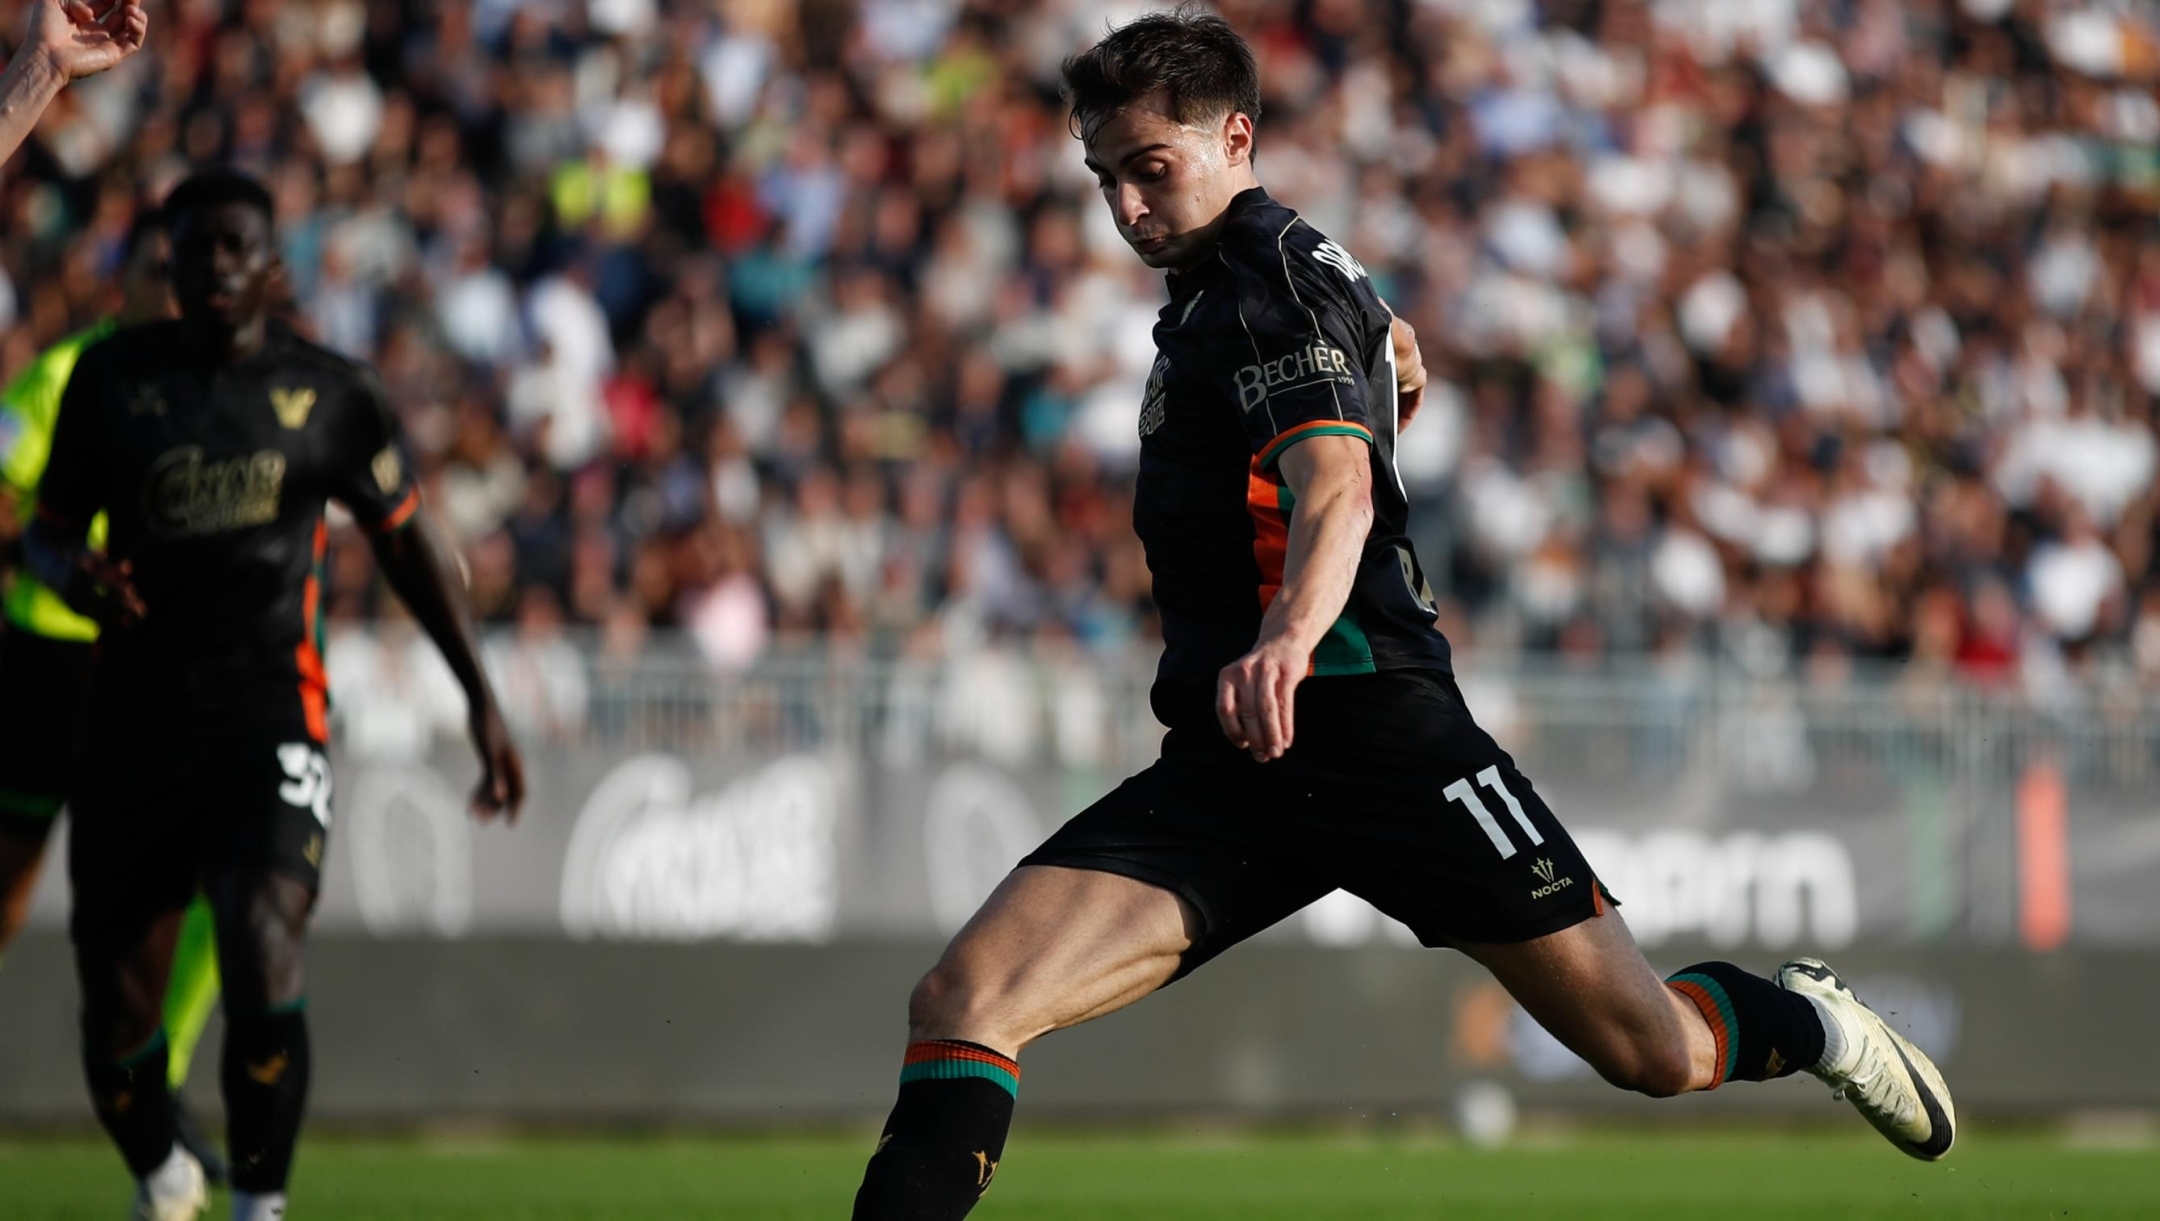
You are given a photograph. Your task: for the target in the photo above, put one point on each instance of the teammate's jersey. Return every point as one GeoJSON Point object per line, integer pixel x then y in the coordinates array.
{"type": "Point", "coordinates": [1277, 338]}
{"type": "Point", "coordinates": [28, 408]}
{"type": "Point", "coordinates": [214, 479]}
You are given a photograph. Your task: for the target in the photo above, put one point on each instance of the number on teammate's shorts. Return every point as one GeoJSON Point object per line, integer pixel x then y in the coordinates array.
{"type": "Point", "coordinates": [1490, 778]}
{"type": "Point", "coordinates": [309, 787]}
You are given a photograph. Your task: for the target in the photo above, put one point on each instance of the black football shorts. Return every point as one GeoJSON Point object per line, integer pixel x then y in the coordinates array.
{"type": "Point", "coordinates": [1389, 791]}
{"type": "Point", "coordinates": [154, 819]}
{"type": "Point", "coordinates": [41, 696]}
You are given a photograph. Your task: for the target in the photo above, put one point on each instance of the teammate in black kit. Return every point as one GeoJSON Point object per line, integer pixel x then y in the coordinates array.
{"type": "Point", "coordinates": [212, 443]}
{"type": "Point", "coordinates": [1316, 737]}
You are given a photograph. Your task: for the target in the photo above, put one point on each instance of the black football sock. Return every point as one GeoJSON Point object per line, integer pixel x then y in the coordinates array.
{"type": "Point", "coordinates": [265, 1075]}
{"type": "Point", "coordinates": [129, 1094]}
{"type": "Point", "coordinates": [1762, 1031]}
{"type": "Point", "coordinates": [946, 1134]}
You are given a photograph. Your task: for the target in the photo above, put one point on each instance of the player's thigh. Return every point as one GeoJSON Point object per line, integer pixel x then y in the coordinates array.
{"type": "Point", "coordinates": [268, 793]}
{"type": "Point", "coordinates": [1052, 947]}
{"type": "Point", "coordinates": [1135, 891]}
{"type": "Point", "coordinates": [134, 842]}
{"type": "Point", "coordinates": [131, 872]}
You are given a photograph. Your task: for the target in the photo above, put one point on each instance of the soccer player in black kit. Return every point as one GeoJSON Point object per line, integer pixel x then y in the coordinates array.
{"type": "Point", "coordinates": [212, 443]}
{"type": "Point", "coordinates": [1316, 737]}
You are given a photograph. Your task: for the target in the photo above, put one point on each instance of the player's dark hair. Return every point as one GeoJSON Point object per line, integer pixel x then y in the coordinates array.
{"type": "Point", "coordinates": [209, 189]}
{"type": "Point", "coordinates": [1202, 67]}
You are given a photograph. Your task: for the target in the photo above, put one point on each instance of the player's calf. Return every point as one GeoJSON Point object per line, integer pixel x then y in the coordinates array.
{"type": "Point", "coordinates": [1051, 948]}
{"type": "Point", "coordinates": [265, 1078]}
{"type": "Point", "coordinates": [261, 922]}
{"type": "Point", "coordinates": [128, 1090]}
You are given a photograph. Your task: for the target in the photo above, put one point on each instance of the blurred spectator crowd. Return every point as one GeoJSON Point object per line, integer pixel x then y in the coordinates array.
{"type": "Point", "coordinates": [1795, 333]}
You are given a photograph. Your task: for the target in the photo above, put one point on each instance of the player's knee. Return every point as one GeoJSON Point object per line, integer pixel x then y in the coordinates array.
{"type": "Point", "coordinates": [116, 1023]}
{"type": "Point", "coordinates": [938, 999]}
{"type": "Point", "coordinates": [262, 939]}
{"type": "Point", "coordinates": [950, 1002]}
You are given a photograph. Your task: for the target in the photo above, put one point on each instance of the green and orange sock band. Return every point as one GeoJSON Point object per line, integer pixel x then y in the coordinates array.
{"type": "Point", "coordinates": [955, 1059]}
{"type": "Point", "coordinates": [1761, 1030]}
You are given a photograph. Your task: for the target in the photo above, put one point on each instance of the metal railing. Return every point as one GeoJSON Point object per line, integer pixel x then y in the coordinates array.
{"type": "Point", "coordinates": [1617, 721]}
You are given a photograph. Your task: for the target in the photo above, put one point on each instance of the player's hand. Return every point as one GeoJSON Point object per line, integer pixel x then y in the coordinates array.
{"type": "Point", "coordinates": [105, 590]}
{"type": "Point", "coordinates": [1253, 698]}
{"type": "Point", "coordinates": [502, 773]}
{"type": "Point", "coordinates": [82, 38]}
{"type": "Point", "coordinates": [1409, 373]}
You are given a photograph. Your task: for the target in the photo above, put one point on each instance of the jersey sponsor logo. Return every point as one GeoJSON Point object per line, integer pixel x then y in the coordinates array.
{"type": "Point", "coordinates": [1547, 874]}
{"type": "Point", "coordinates": [1311, 366]}
{"type": "Point", "coordinates": [292, 406]}
{"type": "Point", "coordinates": [1339, 259]}
{"type": "Point", "coordinates": [1153, 406]}
{"type": "Point", "coordinates": [185, 495]}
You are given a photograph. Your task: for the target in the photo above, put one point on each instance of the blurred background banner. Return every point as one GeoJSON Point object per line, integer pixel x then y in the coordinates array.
{"type": "Point", "coordinates": [827, 798]}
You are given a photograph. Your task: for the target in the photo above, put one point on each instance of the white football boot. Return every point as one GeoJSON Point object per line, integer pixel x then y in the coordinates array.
{"type": "Point", "coordinates": [1889, 1081]}
{"type": "Point", "coordinates": [175, 1191]}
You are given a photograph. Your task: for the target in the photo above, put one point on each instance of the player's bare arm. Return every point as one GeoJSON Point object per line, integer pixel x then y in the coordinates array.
{"type": "Point", "coordinates": [1332, 480]}
{"type": "Point", "coordinates": [63, 40]}
{"type": "Point", "coordinates": [1409, 372]}
{"type": "Point", "coordinates": [420, 567]}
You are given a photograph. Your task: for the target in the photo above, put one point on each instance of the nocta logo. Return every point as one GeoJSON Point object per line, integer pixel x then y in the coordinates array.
{"type": "Point", "coordinates": [1545, 873]}
{"type": "Point", "coordinates": [1340, 259]}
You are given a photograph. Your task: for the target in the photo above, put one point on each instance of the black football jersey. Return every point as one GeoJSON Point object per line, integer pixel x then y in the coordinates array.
{"type": "Point", "coordinates": [214, 479]}
{"type": "Point", "coordinates": [1278, 337]}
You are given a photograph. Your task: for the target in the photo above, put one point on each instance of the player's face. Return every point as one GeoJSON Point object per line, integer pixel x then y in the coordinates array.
{"type": "Point", "coordinates": [1168, 183]}
{"type": "Point", "coordinates": [146, 281]}
{"type": "Point", "coordinates": [222, 264]}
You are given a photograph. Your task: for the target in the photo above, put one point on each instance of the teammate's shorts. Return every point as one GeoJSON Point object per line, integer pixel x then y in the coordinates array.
{"type": "Point", "coordinates": [155, 818]}
{"type": "Point", "coordinates": [41, 692]}
{"type": "Point", "coordinates": [1389, 791]}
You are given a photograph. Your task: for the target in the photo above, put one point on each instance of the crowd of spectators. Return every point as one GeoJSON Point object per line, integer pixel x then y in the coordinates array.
{"type": "Point", "coordinates": [1795, 332]}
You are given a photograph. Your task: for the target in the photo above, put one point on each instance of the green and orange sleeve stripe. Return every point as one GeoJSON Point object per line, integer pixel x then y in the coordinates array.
{"type": "Point", "coordinates": [398, 516]}
{"type": "Point", "coordinates": [1315, 428]}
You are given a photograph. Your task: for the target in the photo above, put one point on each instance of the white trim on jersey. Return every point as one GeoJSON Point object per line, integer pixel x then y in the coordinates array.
{"type": "Point", "coordinates": [1318, 335]}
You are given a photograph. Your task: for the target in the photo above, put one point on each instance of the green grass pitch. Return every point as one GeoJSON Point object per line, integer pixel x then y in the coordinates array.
{"type": "Point", "coordinates": [1169, 1176]}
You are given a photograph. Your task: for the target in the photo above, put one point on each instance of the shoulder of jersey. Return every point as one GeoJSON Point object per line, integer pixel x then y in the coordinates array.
{"type": "Point", "coordinates": [302, 350]}
{"type": "Point", "coordinates": [141, 339]}
{"type": "Point", "coordinates": [1273, 243]}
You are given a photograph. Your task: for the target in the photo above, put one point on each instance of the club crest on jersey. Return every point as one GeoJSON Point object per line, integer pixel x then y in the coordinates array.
{"type": "Point", "coordinates": [1339, 259]}
{"type": "Point", "coordinates": [1304, 367]}
{"type": "Point", "coordinates": [389, 471]}
{"type": "Point", "coordinates": [292, 406]}
{"type": "Point", "coordinates": [185, 495]}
